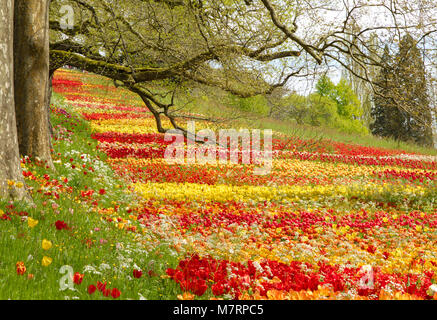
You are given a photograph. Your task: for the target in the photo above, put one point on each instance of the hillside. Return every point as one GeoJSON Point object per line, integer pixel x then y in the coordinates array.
{"type": "Point", "coordinates": [339, 216]}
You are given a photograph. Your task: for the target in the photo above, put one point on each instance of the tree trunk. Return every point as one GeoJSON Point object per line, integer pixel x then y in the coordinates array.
{"type": "Point", "coordinates": [10, 168]}
{"type": "Point", "coordinates": [31, 56]}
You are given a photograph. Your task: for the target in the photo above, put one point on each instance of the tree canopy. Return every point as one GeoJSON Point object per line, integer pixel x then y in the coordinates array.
{"type": "Point", "coordinates": [244, 47]}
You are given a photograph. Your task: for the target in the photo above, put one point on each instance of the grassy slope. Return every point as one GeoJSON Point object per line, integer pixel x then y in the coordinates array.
{"type": "Point", "coordinates": [90, 241]}
{"type": "Point", "coordinates": [291, 128]}
{"type": "Point", "coordinates": [219, 107]}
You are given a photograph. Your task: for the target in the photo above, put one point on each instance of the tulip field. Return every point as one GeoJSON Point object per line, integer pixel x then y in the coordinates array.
{"type": "Point", "coordinates": [331, 220]}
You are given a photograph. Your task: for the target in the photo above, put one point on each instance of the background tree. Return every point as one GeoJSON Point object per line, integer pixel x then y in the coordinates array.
{"type": "Point", "coordinates": [380, 110]}
{"type": "Point", "coordinates": [10, 169]}
{"type": "Point", "coordinates": [348, 108]}
{"type": "Point", "coordinates": [412, 90]}
{"type": "Point", "coordinates": [363, 88]}
{"type": "Point", "coordinates": [402, 109]}
{"type": "Point", "coordinates": [331, 105]}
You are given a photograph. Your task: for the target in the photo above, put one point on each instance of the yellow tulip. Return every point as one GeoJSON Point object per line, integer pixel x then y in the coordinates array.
{"type": "Point", "coordinates": [46, 261]}
{"type": "Point", "coordinates": [46, 244]}
{"type": "Point", "coordinates": [32, 222]}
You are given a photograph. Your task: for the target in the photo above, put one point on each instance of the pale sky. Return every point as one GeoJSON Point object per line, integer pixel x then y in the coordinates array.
{"type": "Point", "coordinates": [332, 14]}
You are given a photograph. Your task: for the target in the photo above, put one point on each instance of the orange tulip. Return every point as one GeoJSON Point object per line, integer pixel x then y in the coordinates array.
{"type": "Point", "coordinates": [186, 296]}
{"type": "Point", "coordinates": [21, 268]}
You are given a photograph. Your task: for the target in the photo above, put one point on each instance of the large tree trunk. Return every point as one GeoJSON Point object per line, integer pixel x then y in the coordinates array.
{"type": "Point", "coordinates": [31, 55]}
{"type": "Point", "coordinates": [10, 168]}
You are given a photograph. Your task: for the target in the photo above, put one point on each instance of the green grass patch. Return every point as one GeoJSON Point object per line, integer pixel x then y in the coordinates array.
{"type": "Point", "coordinates": [90, 245]}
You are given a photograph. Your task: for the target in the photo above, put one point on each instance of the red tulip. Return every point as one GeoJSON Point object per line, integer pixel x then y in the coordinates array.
{"type": "Point", "coordinates": [371, 249]}
{"type": "Point", "coordinates": [115, 293]}
{"type": "Point", "coordinates": [137, 273]}
{"type": "Point", "coordinates": [101, 286]}
{"type": "Point", "coordinates": [60, 225]}
{"type": "Point", "coordinates": [91, 289]}
{"type": "Point", "coordinates": [77, 278]}
{"type": "Point", "coordinates": [106, 292]}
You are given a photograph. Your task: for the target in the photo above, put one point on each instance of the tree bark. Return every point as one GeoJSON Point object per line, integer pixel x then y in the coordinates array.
{"type": "Point", "coordinates": [31, 57]}
{"type": "Point", "coordinates": [10, 169]}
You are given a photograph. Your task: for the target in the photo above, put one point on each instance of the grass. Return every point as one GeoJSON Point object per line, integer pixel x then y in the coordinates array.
{"type": "Point", "coordinates": [291, 128]}
{"type": "Point", "coordinates": [90, 243]}
{"type": "Point", "coordinates": [309, 132]}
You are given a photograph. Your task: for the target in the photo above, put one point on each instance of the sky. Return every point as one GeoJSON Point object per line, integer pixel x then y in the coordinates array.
{"type": "Point", "coordinates": [313, 24]}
